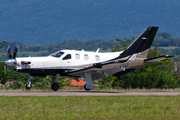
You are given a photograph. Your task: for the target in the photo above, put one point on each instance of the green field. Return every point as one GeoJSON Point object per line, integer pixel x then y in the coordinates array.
{"type": "Point", "coordinates": [98, 108]}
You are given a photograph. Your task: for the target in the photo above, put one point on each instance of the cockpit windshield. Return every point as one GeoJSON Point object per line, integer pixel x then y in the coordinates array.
{"type": "Point", "coordinates": [57, 54]}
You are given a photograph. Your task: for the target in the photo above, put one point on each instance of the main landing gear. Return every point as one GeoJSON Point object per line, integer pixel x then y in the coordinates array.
{"type": "Point", "coordinates": [54, 84]}
{"type": "Point", "coordinates": [88, 86]}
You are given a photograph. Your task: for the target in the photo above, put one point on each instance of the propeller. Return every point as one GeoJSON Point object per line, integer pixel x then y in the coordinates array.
{"type": "Point", "coordinates": [9, 52]}
{"type": "Point", "coordinates": [15, 51]}
{"type": "Point", "coordinates": [12, 60]}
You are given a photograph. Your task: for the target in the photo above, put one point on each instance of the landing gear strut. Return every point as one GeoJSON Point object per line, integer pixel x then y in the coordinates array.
{"type": "Point", "coordinates": [28, 85]}
{"type": "Point", "coordinates": [88, 85]}
{"type": "Point", "coordinates": [54, 84]}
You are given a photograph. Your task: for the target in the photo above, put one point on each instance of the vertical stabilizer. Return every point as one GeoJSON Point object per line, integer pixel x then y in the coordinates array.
{"type": "Point", "coordinates": [142, 43]}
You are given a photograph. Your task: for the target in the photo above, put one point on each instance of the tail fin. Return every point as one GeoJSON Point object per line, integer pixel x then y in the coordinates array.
{"type": "Point", "coordinates": [142, 43]}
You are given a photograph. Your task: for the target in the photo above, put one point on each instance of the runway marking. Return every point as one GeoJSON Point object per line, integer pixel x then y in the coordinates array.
{"type": "Point", "coordinates": [92, 93]}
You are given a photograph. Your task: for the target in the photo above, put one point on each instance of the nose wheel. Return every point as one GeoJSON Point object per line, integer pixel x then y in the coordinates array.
{"type": "Point", "coordinates": [28, 85]}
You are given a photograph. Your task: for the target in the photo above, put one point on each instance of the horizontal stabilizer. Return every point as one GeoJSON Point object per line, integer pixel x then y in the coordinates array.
{"type": "Point", "coordinates": [157, 59]}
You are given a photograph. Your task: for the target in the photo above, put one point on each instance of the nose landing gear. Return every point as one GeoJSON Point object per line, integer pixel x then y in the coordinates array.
{"type": "Point", "coordinates": [28, 85]}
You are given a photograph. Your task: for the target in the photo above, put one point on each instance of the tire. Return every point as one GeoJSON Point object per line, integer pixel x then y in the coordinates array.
{"type": "Point", "coordinates": [55, 86]}
{"type": "Point", "coordinates": [28, 87]}
{"type": "Point", "coordinates": [85, 88]}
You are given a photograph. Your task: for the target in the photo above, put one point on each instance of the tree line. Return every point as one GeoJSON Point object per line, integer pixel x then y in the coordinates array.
{"type": "Point", "coordinates": [166, 40]}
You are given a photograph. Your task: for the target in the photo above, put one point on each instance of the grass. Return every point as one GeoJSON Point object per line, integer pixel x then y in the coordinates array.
{"type": "Point", "coordinates": [98, 108]}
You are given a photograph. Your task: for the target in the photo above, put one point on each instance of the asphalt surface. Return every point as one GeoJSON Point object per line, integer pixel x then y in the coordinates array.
{"type": "Point", "coordinates": [90, 93]}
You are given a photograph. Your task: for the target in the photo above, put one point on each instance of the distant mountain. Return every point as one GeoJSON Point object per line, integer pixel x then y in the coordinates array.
{"type": "Point", "coordinates": [52, 21]}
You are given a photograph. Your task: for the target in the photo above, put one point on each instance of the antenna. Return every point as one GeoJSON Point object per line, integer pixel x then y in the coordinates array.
{"type": "Point", "coordinates": [97, 50]}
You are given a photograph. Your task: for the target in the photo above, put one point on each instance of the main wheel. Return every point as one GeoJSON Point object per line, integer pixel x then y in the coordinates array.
{"type": "Point", "coordinates": [55, 86]}
{"type": "Point", "coordinates": [85, 88]}
{"type": "Point", "coordinates": [28, 86]}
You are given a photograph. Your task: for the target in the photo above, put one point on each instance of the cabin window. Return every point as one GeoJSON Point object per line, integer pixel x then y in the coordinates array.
{"type": "Point", "coordinates": [57, 54]}
{"type": "Point", "coordinates": [67, 57]}
{"type": "Point", "coordinates": [77, 56]}
{"type": "Point", "coordinates": [86, 57]}
{"type": "Point", "coordinates": [97, 58]}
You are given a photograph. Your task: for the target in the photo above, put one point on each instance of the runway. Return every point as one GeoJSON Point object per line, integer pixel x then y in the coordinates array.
{"type": "Point", "coordinates": [90, 93]}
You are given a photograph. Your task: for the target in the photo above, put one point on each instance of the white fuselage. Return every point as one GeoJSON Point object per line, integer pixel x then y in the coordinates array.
{"type": "Point", "coordinates": [77, 60]}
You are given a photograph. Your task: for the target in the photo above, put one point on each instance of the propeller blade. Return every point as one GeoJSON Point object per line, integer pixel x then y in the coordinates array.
{"type": "Point", "coordinates": [15, 51]}
{"type": "Point", "coordinates": [9, 53]}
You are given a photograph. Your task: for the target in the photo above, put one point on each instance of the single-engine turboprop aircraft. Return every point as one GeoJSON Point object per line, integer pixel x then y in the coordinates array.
{"type": "Point", "coordinates": [90, 65]}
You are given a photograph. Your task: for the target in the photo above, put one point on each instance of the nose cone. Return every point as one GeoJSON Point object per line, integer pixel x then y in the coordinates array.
{"type": "Point", "coordinates": [10, 62]}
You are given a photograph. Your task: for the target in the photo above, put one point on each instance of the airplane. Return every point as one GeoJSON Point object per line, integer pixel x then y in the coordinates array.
{"type": "Point", "coordinates": [90, 65]}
